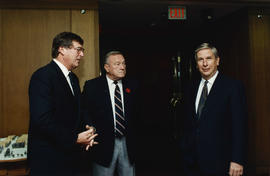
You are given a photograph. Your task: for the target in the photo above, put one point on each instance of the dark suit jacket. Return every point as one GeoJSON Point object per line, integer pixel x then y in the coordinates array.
{"type": "Point", "coordinates": [219, 137]}
{"type": "Point", "coordinates": [98, 112]}
{"type": "Point", "coordinates": [54, 122]}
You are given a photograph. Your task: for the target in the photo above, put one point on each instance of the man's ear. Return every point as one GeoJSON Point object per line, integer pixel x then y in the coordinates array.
{"type": "Point", "coordinates": [218, 61]}
{"type": "Point", "coordinates": [61, 50]}
{"type": "Point", "coordinates": [106, 67]}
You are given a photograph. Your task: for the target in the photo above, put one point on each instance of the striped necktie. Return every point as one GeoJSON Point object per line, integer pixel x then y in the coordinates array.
{"type": "Point", "coordinates": [120, 123]}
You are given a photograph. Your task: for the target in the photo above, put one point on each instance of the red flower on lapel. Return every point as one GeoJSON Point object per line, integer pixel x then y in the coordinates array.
{"type": "Point", "coordinates": [128, 90]}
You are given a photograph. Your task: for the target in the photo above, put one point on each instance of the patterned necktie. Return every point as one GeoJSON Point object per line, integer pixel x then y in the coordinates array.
{"type": "Point", "coordinates": [120, 123]}
{"type": "Point", "coordinates": [202, 99]}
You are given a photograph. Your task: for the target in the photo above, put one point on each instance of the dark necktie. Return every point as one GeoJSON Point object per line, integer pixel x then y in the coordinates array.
{"type": "Point", "coordinates": [120, 123]}
{"type": "Point", "coordinates": [71, 78]}
{"type": "Point", "coordinates": [202, 99]}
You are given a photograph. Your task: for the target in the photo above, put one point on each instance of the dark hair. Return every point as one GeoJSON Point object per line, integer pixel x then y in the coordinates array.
{"type": "Point", "coordinates": [111, 53]}
{"type": "Point", "coordinates": [64, 39]}
{"type": "Point", "coordinates": [206, 46]}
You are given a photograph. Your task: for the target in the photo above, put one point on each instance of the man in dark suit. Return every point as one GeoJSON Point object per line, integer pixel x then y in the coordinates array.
{"type": "Point", "coordinates": [55, 136]}
{"type": "Point", "coordinates": [110, 104]}
{"type": "Point", "coordinates": [215, 120]}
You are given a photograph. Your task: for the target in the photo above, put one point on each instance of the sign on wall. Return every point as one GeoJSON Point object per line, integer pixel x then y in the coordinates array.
{"type": "Point", "coordinates": [177, 13]}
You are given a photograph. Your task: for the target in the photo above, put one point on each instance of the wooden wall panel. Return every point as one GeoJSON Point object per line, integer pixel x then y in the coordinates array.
{"type": "Point", "coordinates": [232, 41]}
{"type": "Point", "coordinates": [50, 4]}
{"type": "Point", "coordinates": [1, 76]}
{"type": "Point", "coordinates": [87, 26]}
{"type": "Point", "coordinates": [236, 62]}
{"type": "Point", "coordinates": [245, 50]}
{"type": "Point", "coordinates": [259, 34]}
{"type": "Point", "coordinates": [25, 40]}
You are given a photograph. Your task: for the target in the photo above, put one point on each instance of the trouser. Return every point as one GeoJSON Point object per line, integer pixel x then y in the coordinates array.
{"type": "Point", "coordinates": [120, 162]}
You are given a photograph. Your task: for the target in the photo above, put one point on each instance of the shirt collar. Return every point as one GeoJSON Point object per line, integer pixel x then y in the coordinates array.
{"type": "Point", "coordinates": [62, 67]}
{"type": "Point", "coordinates": [212, 79]}
{"type": "Point", "coordinates": [110, 81]}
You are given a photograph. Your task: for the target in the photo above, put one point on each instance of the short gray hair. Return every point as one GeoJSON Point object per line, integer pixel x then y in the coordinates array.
{"type": "Point", "coordinates": [206, 46]}
{"type": "Point", "coordinates": [111, 53]}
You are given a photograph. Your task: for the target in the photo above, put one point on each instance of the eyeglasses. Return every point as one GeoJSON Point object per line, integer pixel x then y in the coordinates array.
{"type": "Point", "coordinates": [79, 49]}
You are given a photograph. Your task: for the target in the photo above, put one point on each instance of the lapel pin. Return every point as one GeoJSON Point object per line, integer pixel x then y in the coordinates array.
{"type": "Point", "coordinates": [127, 90]}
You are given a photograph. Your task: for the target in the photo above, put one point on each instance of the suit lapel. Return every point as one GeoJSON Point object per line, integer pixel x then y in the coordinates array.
{"type": "Point", "coordinates": [65, 88]}
{"type": "Point", "coordinates": [212, 97]}
{"type": "Point", "coordinates": [194, 93]}
{"type": "Point", "coordinates": [105, 92]}
{"type": "Point", "coordinates": [77, 89]}
{"type": "Point", "coordinates": [126, 96]}
{"type": "Point", "coordinates": [62, 79]}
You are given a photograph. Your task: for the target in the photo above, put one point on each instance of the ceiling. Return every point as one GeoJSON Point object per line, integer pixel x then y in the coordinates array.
{"type": "Point", "coordinates": [126, 15]}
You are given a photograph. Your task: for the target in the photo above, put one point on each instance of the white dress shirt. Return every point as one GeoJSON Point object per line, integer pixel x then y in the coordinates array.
{"type": "Point", "coordinates": [112, 89]}
{"type": "Point", "coordinates": [65, 72]}
{"type": "Point", "coordinates": [209, 86]}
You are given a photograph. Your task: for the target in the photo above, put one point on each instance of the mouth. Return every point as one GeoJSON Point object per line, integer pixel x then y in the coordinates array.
{"type": "Point", "coordinates": [205, 70]}
{"type": "Point", "coordinates": [77, 61]}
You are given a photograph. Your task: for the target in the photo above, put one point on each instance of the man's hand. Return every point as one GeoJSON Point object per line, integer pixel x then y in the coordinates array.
{"type": "Point", "coordinates": [91, 128]}
{"type": "Point", "coordinates": [87, 137]}
{"type": "Point", "coordinates": [92, 142]}
{"type": "Point", "coordinates": [235, 169]}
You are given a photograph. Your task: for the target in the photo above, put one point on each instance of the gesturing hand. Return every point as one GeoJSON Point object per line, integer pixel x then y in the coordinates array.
{"type": "Point", "coordinates": [92, 142]}
{"type": "Point", "coordinates": [235, 169]}
{"type": "Point", "coordinates": [87, 137]}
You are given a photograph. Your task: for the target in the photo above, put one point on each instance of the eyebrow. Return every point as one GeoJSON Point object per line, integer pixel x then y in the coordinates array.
{"type": "Point", "coordinates": [208, 57]}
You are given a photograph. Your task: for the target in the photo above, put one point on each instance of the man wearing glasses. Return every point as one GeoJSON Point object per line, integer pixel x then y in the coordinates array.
{"type": "Point", "coordinates": [55, 135]}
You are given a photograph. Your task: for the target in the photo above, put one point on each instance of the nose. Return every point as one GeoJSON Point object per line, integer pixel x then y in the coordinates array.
{"type": "Point", "coordinates": [82, 53]}
{"type": "Point", "coordinates": [122, 66]}
{"type": "Point", "coordinates": [205, 62]}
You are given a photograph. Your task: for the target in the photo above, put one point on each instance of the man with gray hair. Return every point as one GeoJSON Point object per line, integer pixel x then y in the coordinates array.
{"type": "Point", "coordinates": [215, 122]}
{"type": "Point", "coordinates": [110, 103]}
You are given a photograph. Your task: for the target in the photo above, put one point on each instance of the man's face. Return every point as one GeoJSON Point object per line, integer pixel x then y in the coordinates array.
{"type": "Point", "coordinates": [207, 63]}
{"type": "Point", "coordinates": [73, 55]}
{"type": "Point", "coordinates": [115, 67]}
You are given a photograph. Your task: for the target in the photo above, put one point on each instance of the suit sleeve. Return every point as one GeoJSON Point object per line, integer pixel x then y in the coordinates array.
{"type": "Point", "coordinates": [239, 124]}
{"type": "Point", "coordinates": [42, 112]}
